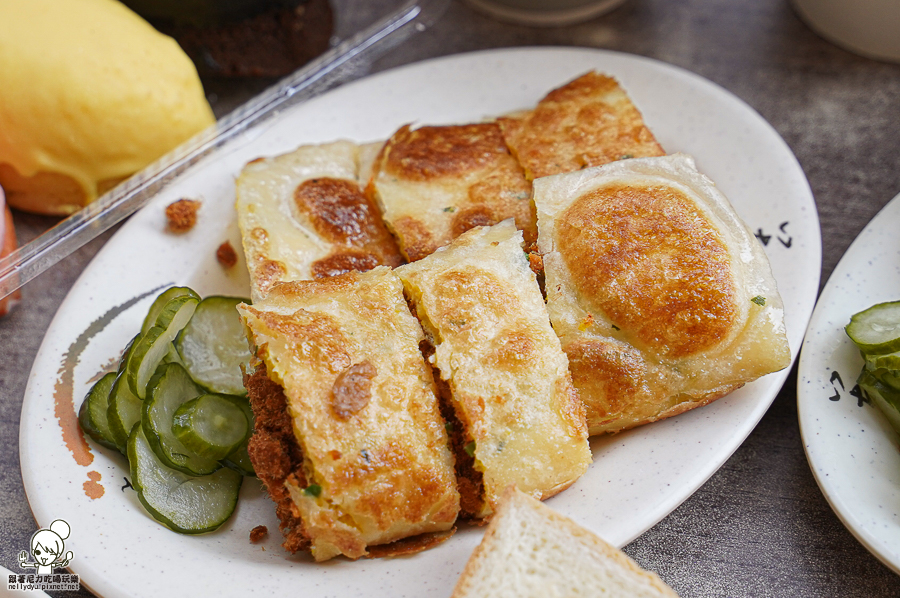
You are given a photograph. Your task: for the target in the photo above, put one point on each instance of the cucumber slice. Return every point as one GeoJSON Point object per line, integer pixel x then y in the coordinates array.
{"type": "Point", "coordinates": [876, 330]}
{"type": "Point", "coordinates": [240, 462]}
{"type": "Point", "coordinates": [160, 302]}
{"type": "Point", "coordinates": [168, 390]}
{"type": "Point", "coordinates": [185, 504]}
{"type": "Point", "coordinates": [890, 378]}
{"type": "Point", "coordinates": [885, 398]}
{"type": "Point", "coordinates": [123, 412]}
{"type": "Point", "coordinates": [92, 415]}
{"type": "Point", "coordinates": [889, 362]}
{"type": "Point", "coordinates": [172, 355]}
{"type": "Point", "coordinates": [214, 346]}
{"type": "Point", "coordinates": [153, 346]}
{"type": "Point", "coordinates": [211, 426]}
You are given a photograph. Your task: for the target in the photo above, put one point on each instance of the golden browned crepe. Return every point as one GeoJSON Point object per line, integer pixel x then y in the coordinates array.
{"type": "Point", "coordinates": [377, 467]}
{"type": "Point", "coordinates": [662, 297]}
{"type": "Point", "coordinates": [510, 387]}
{"type": "Point", "coordinates": [587, 122]}
{"type": "Point", "coordinates": [435, 183]}
{"type": "Point", "coordinates": [303, 215]}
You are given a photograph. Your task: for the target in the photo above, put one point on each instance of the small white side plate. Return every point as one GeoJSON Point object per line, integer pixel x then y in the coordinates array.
{"type": "Point", "coordinates": [852, 450]}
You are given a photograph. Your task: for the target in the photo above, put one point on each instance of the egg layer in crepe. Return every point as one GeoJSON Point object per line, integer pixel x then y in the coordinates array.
{"type": "Point", "coordinates": [661, 295]}
{"type": "Point", "coordinates": [507, 377]}
{"type": "Point", "coordinates": [435, 183]}
{"type": "Point", "coordinates": [375, 462]}
{"type": "Point", "coordinates": [303, 215]}
{"type": "Point", "coordinates": [587, 122]}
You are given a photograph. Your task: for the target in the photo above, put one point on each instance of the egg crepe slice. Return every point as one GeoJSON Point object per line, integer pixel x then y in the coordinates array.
{"type": "Point", "coordinates": [587, 122]}
{"type": "Point", "coordinates": [661, 295]}
{"type": "Point", "coordinates": [435, 183]}
{"type": "Point", "coordinates": [507, 377]}
{"type": "Point", "coordinates": [376, 465]}
{"type": "Point", "coordinates": [303, 215]}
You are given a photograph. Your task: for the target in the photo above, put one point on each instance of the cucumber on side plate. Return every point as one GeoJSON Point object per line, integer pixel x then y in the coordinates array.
{"type": "Point", "coordinates": [876, 333]}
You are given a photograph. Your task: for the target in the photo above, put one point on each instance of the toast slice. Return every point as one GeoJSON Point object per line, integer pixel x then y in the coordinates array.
{"type": "Point", "coordinates": [501, 367]}
{"type": "Point", "coordinates": [531, 551]}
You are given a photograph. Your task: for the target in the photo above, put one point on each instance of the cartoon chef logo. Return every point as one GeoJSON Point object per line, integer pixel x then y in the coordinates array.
{"type": "Point", "coordinates": [47, 546]}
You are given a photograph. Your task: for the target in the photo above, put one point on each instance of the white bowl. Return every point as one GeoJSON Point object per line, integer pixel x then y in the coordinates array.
{"type": "Point", "coordinates": [867, 27]}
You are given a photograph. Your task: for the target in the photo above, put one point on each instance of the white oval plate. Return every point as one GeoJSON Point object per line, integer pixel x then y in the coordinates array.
{"type": "Point", "coordinates": [852, 450]}
{"type": "Point", "coordinates": [637, 478]}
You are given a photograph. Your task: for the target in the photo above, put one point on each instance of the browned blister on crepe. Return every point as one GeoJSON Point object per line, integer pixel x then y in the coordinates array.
{"type": "Point", "coordinates": [508, 378]}
{"type": "Point", "coordinates": [361, 401]}
{"type": "Point", "coordinates": [435, 183]}
{"type": "Point", "coordinates": [662, 297]}
{"type": "Point", "coordinates": [303, 215]}
{"type": "Point", "coordinates": [587, 122]}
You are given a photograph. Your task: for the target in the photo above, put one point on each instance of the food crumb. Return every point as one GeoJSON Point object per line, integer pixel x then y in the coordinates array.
{"type": "Point", "coordinates": [258, 533]}
{"type": "Point", "coordinates": [181, 215]}
{"type": "Point", "coordinates": [226, 255]}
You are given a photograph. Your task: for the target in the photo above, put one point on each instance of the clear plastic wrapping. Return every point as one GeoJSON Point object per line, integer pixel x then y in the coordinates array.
{"type": "Point", "coordinates": [359, 41]}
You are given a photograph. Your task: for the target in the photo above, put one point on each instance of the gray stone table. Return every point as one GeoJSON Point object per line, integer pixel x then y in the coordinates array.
{"type": "Point", "coordinates": [760, 526]}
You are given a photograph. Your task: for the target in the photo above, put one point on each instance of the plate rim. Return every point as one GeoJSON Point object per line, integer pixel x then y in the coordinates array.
{"type": "Point", "coordinates": [838, 503]}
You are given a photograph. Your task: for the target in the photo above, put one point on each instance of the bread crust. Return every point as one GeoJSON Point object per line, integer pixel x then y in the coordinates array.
{"type": "Point", "coordinates": [518, 511]}
{"type": "Point", "coordinates": [49, 193]}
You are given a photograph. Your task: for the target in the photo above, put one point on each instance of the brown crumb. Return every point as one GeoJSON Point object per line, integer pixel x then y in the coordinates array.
{"type": "Point", "coordinates": [258, 533]}
{"type": "Point", "coordinates": [226, 255]}
{"type": "Point", "coordinates": [181, 215]}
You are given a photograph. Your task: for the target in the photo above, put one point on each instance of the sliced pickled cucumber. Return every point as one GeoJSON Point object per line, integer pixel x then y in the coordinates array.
{"type": "Point", "coordinates": [183, 503]}
{"type": "Point", "coordinates": [240, 462]}
{"type": "Point", "coordinates": [172, 355]}
{"type": "Point", "coordinates": [889, 378]}
{"type": "Point", "coordinates": [160, 302]}
{"type": "Point", "coordinates": [93, 413]}
{"type": "Point", "coordinates": [876, 330]}
{"type": "Point", "coordinates": [153, 346]}
{"type": "Point", "coordinates": [123, 412]}
{"type": "Point", "coordinates": [211, 426]}
{"type": "Point", "coordinates": [885, 398]}
{"type": "Point", "coordinates": [886, 361]}
{"type": "Point", "coordinates": [168, 390]}
{"type": "Point", "coordinates": [214, 346]}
